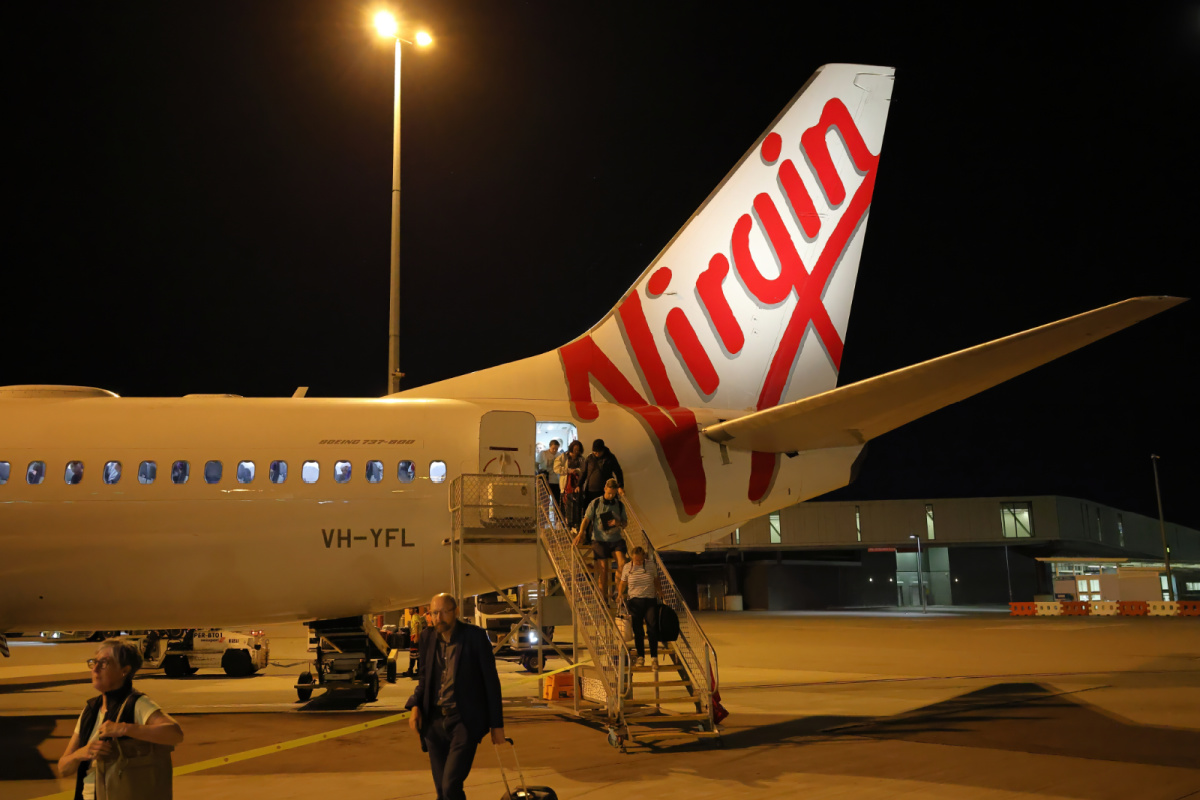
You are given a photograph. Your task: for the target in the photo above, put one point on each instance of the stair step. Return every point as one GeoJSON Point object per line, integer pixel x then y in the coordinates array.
{"type": "Point", "coordinates": [635, 704]}
{"type": "Point", "coordinates": [651, 684]}
{"type": "Point", "coordinates": [670, 718]}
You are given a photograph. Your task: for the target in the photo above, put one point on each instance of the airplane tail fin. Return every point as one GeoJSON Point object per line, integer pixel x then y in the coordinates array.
{"type": "Point", "coordinates": [747, 306]}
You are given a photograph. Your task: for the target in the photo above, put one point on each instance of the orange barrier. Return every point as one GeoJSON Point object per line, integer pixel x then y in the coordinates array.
{"type": "Point", "coordinates": [1076, 608]}
{"type": "Point", "coordinates": [1022, 609]}
{"type": "Point", "coordinates": [1134, 608]}
{"type": "Point", "coordinates": [1104, 608]}
{"type": "Point", "coordinates": [1049, 608]}
{"type": "Point", "coordinates": [1189, 608]}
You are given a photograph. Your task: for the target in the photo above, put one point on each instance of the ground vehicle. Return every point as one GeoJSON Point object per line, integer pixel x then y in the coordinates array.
{"type": "Point", "coordinates": [185, 652]}
{"type": "Point", "coordinates": [499, 618]}
{"type": "Point", "coordinates": [349, 654]}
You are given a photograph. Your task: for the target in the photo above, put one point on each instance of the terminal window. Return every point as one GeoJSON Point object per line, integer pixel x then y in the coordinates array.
{"type": "Point", "coordinates": [929, 519]}
{"type": "Point", "coordinates": [1016, 520]}
{"type": "Point", "coordinates": [776, 535]}
{"type": "Point", "coordinates": [858, 522]}
{"type": "Point", "coordinates": [147, 472]}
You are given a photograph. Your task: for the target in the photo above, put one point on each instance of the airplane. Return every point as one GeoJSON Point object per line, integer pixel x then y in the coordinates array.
{"type": "Point", "coordinates": [713, 379]}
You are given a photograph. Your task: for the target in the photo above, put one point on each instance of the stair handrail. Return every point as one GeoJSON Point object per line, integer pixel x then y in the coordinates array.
{"type": "Point", "coordinates": [609, 652]}
{"type": "Point", "coordinates": [701, 668]}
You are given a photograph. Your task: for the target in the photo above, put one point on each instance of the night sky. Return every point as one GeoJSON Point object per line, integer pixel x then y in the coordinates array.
{"type": "Point", "coordinates": [199, 202]}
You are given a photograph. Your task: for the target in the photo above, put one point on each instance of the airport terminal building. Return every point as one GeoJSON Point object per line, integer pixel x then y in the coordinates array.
{"type": "Point", "coordinates": [973, 551]}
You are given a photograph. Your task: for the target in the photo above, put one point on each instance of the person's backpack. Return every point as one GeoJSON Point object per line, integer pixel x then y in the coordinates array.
{"type": "Point", "coordinates": [668, 624]}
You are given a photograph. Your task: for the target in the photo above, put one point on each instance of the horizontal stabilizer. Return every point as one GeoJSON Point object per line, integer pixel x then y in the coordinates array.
{"type": "Point", "coordinates": [859, 412]}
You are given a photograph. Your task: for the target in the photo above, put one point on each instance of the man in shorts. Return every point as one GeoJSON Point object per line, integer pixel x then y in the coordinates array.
{"type": "Point", "coordinates": [606, 519]}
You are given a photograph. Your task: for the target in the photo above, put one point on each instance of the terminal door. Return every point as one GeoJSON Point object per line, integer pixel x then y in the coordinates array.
{"type": "Point", "coordinates": [506, 443]}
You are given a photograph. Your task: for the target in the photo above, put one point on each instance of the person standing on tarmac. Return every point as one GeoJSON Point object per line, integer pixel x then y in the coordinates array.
{"type": "Point", "coordinates": [415, 626]}
{"type": "Point", "coordinates": [457, 699]}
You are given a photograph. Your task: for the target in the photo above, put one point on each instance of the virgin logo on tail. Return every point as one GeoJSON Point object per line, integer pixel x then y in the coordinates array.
{"type": "Point", "coordinates": [672, 424]}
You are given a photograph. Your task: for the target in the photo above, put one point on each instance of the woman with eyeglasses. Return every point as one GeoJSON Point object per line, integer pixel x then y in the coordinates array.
{"type": "Point", "coordinates": [120, 723]}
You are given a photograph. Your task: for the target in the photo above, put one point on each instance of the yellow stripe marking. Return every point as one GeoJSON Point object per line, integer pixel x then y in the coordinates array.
{"type": "Point", "coordinates": [246, 755]}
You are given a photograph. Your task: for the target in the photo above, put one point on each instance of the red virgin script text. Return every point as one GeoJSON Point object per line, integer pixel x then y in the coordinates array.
{"type": "Point", "coordinates": [674, 426]}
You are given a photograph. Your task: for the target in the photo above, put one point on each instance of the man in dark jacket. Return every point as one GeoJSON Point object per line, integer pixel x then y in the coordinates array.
{"type": "Point", "coordinates": [457, 700]}
{"type": "Point", "coordinates": [598, 468]}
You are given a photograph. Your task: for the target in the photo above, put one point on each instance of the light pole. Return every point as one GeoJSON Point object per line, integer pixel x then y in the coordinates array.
{"type": "Point", "coordinates": [1162, 529]}
{"type": "Point", "coordinates": [920, 580]}
{"type": "Point", "coordinates": [389, 28]}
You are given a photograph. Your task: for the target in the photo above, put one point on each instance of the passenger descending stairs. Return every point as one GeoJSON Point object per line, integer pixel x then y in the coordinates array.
{"type": "Point", "coordinates": [637, 704]}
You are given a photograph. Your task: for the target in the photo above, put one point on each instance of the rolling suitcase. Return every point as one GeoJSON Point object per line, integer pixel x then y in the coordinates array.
{"type": "Point", "coordinates": [524, 791]}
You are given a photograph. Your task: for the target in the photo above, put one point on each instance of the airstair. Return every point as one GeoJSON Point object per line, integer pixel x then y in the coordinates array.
{"type": "Point", "coordinates": [677, 698]}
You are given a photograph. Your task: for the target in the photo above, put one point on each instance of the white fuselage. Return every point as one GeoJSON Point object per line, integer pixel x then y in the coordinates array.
{"type": "Point", "coordinates": [96, 555]}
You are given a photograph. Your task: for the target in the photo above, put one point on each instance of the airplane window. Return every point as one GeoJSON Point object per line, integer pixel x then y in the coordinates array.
{"type": "Point", "coordinates": [212, 472]}
{"type": "Point", "coordinates": [147, 472]}
{"type": "Point", "coordinates": [341, 471]}
{"type": "Point", "coordinates": [112, 472]}
{"type": "Point", "coordinates": [310, 472]}
{"type": "Point", "coordinates": [278, 472]}
{"type": "Point", "coordinates": [36, 472]}
{"type": "Point", "coordinates": [437, 471]}
{"type": "Point", "coordinates": [73, 474]}
{"type": "Point", "coordinates": [374, 471]}
{"type": "Point", "coordinates": [245, 471]}
{"type": "Point", "coordinates": [179, 472]}
{"type": "Point", "coordinates": [406, 471]}
{"type": "Point", "coordinates": [5, 469]}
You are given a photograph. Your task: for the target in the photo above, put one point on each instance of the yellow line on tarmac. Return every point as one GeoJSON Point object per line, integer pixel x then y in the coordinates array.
{"type": "Point", "coordinates": [246, 755]}
{"type": "Point", "coordinates": [525, 678]}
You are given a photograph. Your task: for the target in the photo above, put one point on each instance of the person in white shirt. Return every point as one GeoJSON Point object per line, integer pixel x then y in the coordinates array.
{"type": "Point", "coordinates": [639, 586]}
{"type": "Point", "coordinates": [113, 668]}
{"type": "Point", "coordinates": [545, 466]}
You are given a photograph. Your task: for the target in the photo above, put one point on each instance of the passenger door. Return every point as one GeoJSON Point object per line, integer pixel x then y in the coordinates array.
{"type": "Point", "coordinates": [506, 442]}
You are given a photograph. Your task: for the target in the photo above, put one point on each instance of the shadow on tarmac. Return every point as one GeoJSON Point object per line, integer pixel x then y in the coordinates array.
{"type": "Point", "coordinates": [1013, 717]}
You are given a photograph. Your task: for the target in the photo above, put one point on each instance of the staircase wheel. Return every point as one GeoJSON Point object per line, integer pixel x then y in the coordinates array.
{"type": "Point", "coordinates": [372, 692]}
{"type": "Point", "coordinates": [305, 694]}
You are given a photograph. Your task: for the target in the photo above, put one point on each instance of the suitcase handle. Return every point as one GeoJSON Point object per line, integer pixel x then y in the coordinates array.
{"type": "Point", "coordinates": [503, 776]}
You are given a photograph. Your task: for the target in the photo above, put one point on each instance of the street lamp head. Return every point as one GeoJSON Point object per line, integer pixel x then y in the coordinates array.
{"type": "Point", "coordinates": [386, 24]}
{"type": "Point", "coordinates": [424, 39]}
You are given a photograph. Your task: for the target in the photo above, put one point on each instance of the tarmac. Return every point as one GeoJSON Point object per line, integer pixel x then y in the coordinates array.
{"type": "Point", "coordinates": [868, 704]}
